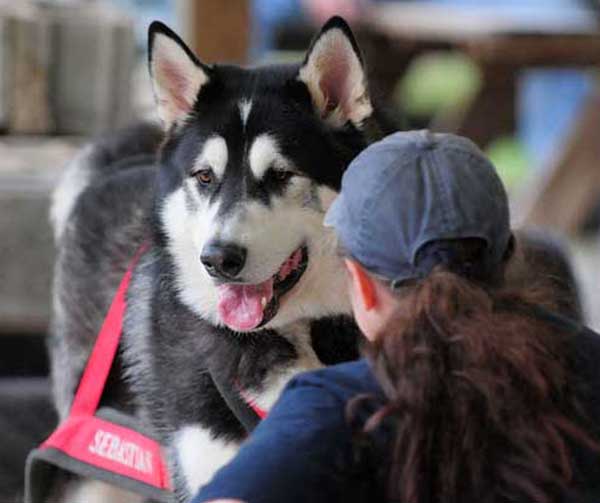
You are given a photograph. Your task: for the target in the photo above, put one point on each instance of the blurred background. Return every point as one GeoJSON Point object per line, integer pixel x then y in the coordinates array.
{"type": "Point", "coordinates": [519, 77]}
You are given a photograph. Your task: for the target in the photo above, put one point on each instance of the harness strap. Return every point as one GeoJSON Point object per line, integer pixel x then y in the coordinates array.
{"type": "Point", "coordinates": [97, 442]}
{"type": "Point", "coordinates": [93, 380]}
{"type": "Point", "coordinates": [91, 445]}
{"type": "Point", "coordinates": [91, 386]}
{"type": "Point", "coordinates": [111, 447]}
{"type": "Point", "coordinates": [259, 411]}
{"type": "Point", "coordinates": [241, 408]}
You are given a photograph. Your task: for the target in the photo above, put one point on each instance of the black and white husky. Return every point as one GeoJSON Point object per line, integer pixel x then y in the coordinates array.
{"type": "Point", "coordinates": [240, 274]}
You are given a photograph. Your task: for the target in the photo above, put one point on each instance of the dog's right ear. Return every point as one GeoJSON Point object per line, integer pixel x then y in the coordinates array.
{"type": "Point", "coordinates": [177, 75]}
{"type": "Point", "coordinates": [334, 74]}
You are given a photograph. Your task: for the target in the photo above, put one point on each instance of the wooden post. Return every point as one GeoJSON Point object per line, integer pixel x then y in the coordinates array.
{"type": "Point", "coordinates": [25, 66]}
{"type": "Point", "coordinates": [93, 56]}
{"type": "Point", "coordinates": [565, 193]}
{"type": "Point", "coordinates": [492, 112]}
{"type": "Point", "coordinates": [217, 30]}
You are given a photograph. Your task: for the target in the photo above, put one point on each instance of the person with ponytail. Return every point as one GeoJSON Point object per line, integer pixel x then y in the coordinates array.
{"type": "Point", "coordinates": [469, 391]}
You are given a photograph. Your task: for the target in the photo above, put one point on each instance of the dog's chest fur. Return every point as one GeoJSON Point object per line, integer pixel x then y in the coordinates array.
{"type": "Point", "coordinates": [166, 346]}
{"type": "Point", "coordinates": [169, 353]}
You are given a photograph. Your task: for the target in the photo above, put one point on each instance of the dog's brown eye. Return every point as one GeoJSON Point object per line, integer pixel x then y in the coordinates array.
{"type": "Point", "coordinates": [205, 176]}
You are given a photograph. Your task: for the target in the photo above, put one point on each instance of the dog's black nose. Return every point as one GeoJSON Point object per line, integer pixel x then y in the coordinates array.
{"type": "Point", "coordinates": [223, 260]}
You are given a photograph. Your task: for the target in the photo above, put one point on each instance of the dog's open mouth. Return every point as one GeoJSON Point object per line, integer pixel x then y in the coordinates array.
{"type": "Point", "coordinates": [244, 307]}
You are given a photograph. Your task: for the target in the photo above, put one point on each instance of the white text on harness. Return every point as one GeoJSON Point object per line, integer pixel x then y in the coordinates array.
{"type": "Point", "coordinates": [110, 446]}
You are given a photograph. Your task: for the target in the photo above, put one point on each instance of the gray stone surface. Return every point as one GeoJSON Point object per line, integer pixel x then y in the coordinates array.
{"type": "Point", "coordinates": [93, 58]}
{"type": "Point", "coordinates": [29, 169]}
{"type": "Point", "coordinates": [26, 253]}
{"type": "Point", "coordinates": [64, 67]}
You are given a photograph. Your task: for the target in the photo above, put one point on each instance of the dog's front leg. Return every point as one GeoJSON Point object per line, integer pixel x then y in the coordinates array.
{"type": "Point", "coordinates": [196, 454]}
{"type": "Point", "coordinates": [275, 381]}
{"type": "Point", "coordinates": [82, 490]}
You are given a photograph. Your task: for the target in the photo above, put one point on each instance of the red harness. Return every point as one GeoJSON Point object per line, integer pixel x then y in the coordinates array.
{"type": "Point", "coordinates": [100, 447]}
{"type": "Point", "coordinates": [97, 447]}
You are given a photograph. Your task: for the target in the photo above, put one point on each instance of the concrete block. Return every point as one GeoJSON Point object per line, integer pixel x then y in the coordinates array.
{"type": "Point", "coordinates": [65, 68]}
{"type": "Point", "coordinates": [29, 170]}
{"type": "Point", "coordinates": [26, 253]}
{"type": "Point", "coordinates": [93, 61]}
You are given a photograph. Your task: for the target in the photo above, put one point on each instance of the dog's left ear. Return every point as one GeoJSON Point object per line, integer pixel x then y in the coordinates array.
{"type": "Point", "coordinates": [177, 75]}
{"type": "Point", "coordinates": [334, 74]}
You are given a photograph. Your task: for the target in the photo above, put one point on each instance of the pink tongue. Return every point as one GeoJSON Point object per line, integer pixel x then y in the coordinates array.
{"type": "Point", "coordinates": [241, 307]}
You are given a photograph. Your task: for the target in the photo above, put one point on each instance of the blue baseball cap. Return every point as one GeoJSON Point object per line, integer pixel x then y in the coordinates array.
{"type": "Point", "coordinates": [412, 188]}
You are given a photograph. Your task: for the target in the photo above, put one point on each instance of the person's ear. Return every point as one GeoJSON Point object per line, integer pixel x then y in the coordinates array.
{"type": "Point", "coordinates": [363, 284]}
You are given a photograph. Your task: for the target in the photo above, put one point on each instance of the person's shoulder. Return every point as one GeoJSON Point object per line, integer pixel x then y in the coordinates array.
{"type": "Point", "coordinates": [344, 380]}
{"type": "Point", "coordinates": [584, 342]}
{"type": "Point", "coordinates": [587, 346]}
{"type": "Point", "coordinates": [315, 402]}
{"type": "Point", "coordinates": [583, 355]}
{"type": "Point", "coordinates": [585, 358]}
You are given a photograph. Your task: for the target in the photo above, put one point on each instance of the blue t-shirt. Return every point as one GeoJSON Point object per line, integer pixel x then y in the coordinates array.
{"type": "Point", "coordinates": [305, 452]}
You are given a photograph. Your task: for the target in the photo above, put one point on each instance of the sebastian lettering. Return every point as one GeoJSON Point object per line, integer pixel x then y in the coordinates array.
{"type": "Point", "coordinates": [110, 446]}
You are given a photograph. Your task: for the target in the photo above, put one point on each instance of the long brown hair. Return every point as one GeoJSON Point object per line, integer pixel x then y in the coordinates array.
{"type": "Point", "coordinates": [478, 388]}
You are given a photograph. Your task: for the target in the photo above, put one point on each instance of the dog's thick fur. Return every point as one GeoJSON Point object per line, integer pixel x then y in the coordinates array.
{"type": "Point", "coordinates": [272, 144]}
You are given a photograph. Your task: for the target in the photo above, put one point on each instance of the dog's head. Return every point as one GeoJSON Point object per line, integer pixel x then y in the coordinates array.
{"type": "Point", "coordinates": [252, 160]}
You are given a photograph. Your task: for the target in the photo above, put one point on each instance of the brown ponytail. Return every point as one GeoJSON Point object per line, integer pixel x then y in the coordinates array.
{"type": "Point", "coordinates": [478, 389]}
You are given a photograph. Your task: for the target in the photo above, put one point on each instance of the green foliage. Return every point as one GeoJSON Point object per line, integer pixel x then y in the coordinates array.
{"type": "Point", "coordinates": [437, 81]}
{"type": "Point", "coordinates": [509, 157]}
